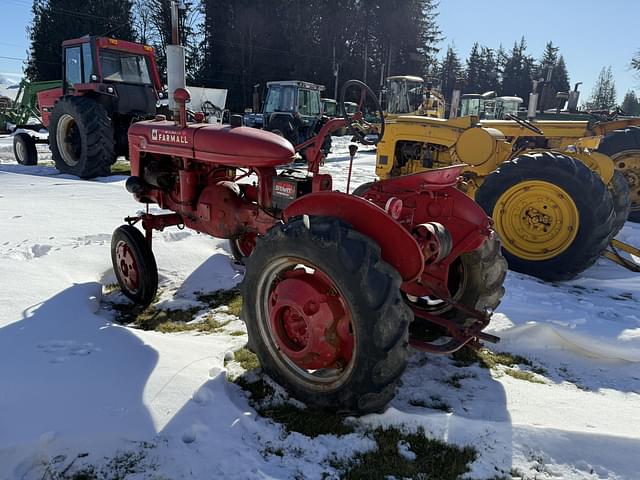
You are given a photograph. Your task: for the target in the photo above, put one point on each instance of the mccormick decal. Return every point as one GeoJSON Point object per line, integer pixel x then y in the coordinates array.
{"type": "Point", "coordinates": [168, 136]}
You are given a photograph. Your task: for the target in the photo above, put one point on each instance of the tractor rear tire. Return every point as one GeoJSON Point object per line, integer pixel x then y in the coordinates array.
{"type": "Point", "coordinates": [359, 191]}
{"type": "Point", "coordinates": [553, 214]}
{"type": "Point", "coordinates": [623, 146]}
{"type": "Point", "coordinates": [619, 189]}
{"type": "Point", "coordinates": [81, 137]}
{"type": "Point", "coordinates": [475, 281]}
{"type": "Point", "coordinates": [134, 265]}
{"type": "Point", "coordinates": [364, 291]}
{"type": "Point", "coordinates": [283, 127]}
{"type": "Point", "coordinates": [24, 149]}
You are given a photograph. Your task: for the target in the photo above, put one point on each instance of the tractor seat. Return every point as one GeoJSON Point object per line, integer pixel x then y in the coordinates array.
{"type": "Point", "coordinates": [242, 146]}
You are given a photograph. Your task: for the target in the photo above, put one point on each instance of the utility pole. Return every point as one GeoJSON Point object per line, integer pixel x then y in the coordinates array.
{"type": "Point", "coordinates": [336, 69]}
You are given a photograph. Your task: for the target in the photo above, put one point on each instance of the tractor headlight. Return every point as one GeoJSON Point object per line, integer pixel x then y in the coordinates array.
{"type": "Point", "coordinates": [94, 78]}
{"type": "Point", "coordinates": [110, 90]}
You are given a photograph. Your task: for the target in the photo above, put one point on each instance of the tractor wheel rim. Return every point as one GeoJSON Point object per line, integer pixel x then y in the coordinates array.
{"type": "Point", "coordinates": [306, 323]}
{"type": "Point", "coordinates": [21, 153]}
{"type": "Point", "coordinates": [628, 163]}
{"type": "Point", "coordinates": [127, 267]}
{"type": "Point", "coordinates": [536, 220]}
{"type": "Point", "coordinates": [67, 138]}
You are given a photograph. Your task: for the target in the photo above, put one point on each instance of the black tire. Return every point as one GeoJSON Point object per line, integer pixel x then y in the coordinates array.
{"type": "Point", "coordinates": [24, 149]}
{"type": "Point", "coordinates": [619, 190]}
{"type": "Point", "coordinates": [130, 252]}
{"type": "Point", "coordinates": [616, 144]}
{"type": "Point", "coordinates": [370, 289]}
{"type": "Point", "coordinates": [81, 137]}
{"type": "Point", "coordinates": [587, 191]}
{"type": "Point", "coordinates": [282, 126]}
{"type": "Point", "coordinates": [475, 280]}
{"type": "Point", "coordinates": [359, 191]}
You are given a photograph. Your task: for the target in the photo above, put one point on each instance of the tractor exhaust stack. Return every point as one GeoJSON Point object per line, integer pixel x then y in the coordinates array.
{"type": "Point", "coordinates": [176, 74]}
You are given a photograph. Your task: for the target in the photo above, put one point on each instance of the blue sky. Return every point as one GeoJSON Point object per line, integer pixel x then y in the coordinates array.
{"type": "Point", "coordinates": [590, 33]}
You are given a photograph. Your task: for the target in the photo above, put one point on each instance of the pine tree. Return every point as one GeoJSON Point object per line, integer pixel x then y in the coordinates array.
{"type": "Point", "coordinates": [57, 20]}
{"type": "Point", "coordinates": [474, 70]}
{"type": "Point", "coordinates": [560, 78]}
{"type": "Point", "coordinates": [489, 78]}
{"type": "Point", "coordinates": [635, 61]}
{"type": "Point", "coordinates": [450, 72]}
{"type": "Point", "coordinates": [518, 72]}
{"type": "Point", "coordinates": [631, 104]}
{"type": "Point", "coordinates": [603, 95]}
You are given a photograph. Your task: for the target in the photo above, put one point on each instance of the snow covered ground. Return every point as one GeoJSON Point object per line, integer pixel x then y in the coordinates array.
{"type": "Point", "coordinates": [76, 388]}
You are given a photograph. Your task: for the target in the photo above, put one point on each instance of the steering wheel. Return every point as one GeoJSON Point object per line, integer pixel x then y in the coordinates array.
{"type": "Point", "coordinates": [208, 108]}
{"type": "Point", "coordinates": [356, 123]}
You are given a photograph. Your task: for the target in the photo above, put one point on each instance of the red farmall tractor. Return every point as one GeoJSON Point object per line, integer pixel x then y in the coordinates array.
{"type": "Point", "coordinates": [333, 281]}
{"type": "Point", "coordinates": [107, 85]}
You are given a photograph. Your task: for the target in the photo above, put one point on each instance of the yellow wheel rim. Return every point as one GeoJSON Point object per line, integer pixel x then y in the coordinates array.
{"type": "Point", "coordinates": [628, 162]}
{"type": "Point", "coordinates": [536, 220]}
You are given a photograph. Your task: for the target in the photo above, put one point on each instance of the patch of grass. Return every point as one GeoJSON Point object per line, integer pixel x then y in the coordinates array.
{"type": "Point", "coordinates": [238, 333]}
{"type": "Point", "coordinates": [121, 168]}
{"type": "Point", "coordinates": [246, 358]}
{"type": "Point", "coordinates": [230, 297]}
{"type": "Point", "coordinates": [523, 375]}
{"type": "Point", "coordinates": [435, 403]}
{"type": "Point", "coordinates": [434, 459]}
{"type": "Point", "coordinates": [172, 321]}
{"type": "Point", "coordinates": [488, 359]}
{"type": "Point", "coordinates": [110, 288]}
{"type": "Point", "coordinates": [454, 380]}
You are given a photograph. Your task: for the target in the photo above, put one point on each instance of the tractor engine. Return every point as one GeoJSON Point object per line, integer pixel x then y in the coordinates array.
{"type": "Point", "coordinates": [193, 171]}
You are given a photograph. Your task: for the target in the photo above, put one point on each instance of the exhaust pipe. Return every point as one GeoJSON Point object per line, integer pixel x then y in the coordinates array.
{"type": "Point", "coordinates": [176, 73]}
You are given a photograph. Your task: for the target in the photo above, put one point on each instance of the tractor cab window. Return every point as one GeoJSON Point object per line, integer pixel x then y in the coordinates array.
{"type": "Point", "coordinates": [281, 99]}
{"type": "Point", "coordinates": [124, 67]}
{"type": "Point", "coordinates": [330, 109]}
{"type": "Point", "coordinates": [72, 66]}
{"type": "Point", "coordinates": [308, 103]}
{"type": "Point", "coordinates": [87, 62]}
{"type": "Point", "coordinates": [471, 106]}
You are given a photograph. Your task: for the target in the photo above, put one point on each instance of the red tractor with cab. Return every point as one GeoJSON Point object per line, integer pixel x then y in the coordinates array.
{"type": "Point", "coordinates": [333, 281]}
{"type": "Point", "coordinates": [107, 85]}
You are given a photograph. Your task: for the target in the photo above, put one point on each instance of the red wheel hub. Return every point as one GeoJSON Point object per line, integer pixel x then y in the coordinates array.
{"type": "Point", "coordinates": [128, 266]}
{"type": "Point", "coordinates": [310, 321]}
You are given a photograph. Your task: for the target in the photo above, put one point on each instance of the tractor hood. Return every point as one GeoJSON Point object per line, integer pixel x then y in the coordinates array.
{"type": "Point", "coordinates": [237, 146]}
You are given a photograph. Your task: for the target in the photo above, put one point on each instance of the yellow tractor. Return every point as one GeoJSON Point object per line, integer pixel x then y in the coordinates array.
{"type": "Point", "coordinates": [555, 202]}
{"type": "Point", "coordinates": [616, 136]}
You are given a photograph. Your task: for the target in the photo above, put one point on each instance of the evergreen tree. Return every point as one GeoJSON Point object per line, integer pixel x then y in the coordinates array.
{"type": "Point", "coordinates": [450, 72]}
{"type": "Point", "coordinates": [560, 79]}
{"type": "Point", "coordinates": [474, 70]}
{"type": "Point", "coordinates": [518, 72]}
{"type": "Point", "coordinates": [57, 20]}
{"type": "Point", "coordinates": [603, 95]}
{"type": "Point", "coordinates": [489, 78]}
{"type": "Point", "coordinates": [635, 61]}
{"type": "Point", "coordinates": [631, 104]}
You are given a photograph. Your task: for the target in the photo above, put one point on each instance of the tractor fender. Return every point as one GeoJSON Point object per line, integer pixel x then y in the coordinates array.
{"type": "Point", "coordinates": [397, 245]}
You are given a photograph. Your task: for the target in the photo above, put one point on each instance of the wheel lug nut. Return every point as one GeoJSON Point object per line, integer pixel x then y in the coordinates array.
{"type": "Point", "coordinates": [311, 307]}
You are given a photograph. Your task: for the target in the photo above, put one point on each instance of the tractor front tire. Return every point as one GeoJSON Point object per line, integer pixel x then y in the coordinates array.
{"type": "Point", "coordinates": [81, 137]}
{"type": "Point", "coordinates": [553, 214]}
{"type": "Point", "coordinates": [24, 149]}
{"type": "Point", "coordinates": [134, 265]}
{"type": "Point", "coordinates": [619, 190]}
{"type": "Point", "coordinates": [475, 281]}
{"type": "Point", "coordinates": [242, 246]}
{"type": "Point", "coordinates": [325, 315]}
{"type": "Point", "coordinates": [623, 146]}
